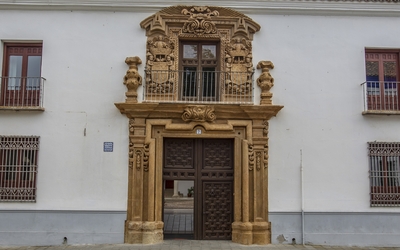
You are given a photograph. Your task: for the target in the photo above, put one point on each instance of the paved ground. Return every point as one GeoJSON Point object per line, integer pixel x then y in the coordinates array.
{"type": "Point", "coordinates": [191, 245]}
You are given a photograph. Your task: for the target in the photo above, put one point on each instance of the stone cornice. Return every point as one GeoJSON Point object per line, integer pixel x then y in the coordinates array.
{"type": "Point", "coordinates": [175, 111]}
{"type": "Point", "coordinates": [307, 7]}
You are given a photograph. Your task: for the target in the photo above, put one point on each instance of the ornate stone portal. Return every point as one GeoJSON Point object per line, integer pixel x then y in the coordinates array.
{"type": "Point", "coordinates": [151, 122]}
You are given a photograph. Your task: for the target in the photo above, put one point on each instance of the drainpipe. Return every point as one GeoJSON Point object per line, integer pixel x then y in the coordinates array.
{"type": "Point", "coordinates": [302, 197]}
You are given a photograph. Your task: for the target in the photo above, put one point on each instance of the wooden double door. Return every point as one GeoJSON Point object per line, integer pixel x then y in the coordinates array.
{"type": "Point", "coordinates": [209, 163]}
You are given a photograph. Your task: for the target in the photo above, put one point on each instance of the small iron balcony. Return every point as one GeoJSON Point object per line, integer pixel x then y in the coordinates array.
{"type": "Point", "coordinates": [20, 93]}
{"type": "Point", "coordinates": [381, 97]}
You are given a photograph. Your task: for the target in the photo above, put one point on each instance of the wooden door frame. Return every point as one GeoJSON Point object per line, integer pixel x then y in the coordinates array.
{"type": "Point", "coordinates": [223, 176]}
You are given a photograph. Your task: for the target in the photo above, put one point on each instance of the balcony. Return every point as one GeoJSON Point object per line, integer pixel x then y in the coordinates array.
{"type": "Point", "coordinates": [191, 86]}
{"type": "Point", "coordinates": [22, 93]}
{"type": "Point", "coordinates": [381, 97]}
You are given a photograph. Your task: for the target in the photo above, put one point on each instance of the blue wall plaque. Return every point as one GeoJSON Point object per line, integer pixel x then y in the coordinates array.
{"type": "Point", "coordinates": [108, 146]}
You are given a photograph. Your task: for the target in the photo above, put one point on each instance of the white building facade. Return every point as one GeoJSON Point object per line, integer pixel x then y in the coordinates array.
{"type": "Point", "coordinates": [333, 150]}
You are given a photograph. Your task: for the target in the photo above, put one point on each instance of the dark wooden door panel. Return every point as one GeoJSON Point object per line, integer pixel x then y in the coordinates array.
{"type": "Point", "coordinates": [217, 210]}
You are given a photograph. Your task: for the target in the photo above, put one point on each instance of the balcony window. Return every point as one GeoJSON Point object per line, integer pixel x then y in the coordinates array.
{"type": "Point", "coordinates": [381, 89]}
{"type": "Point", "coordinates": [21, 83]}
{"type": "Point", "coordinates": [197, 73]}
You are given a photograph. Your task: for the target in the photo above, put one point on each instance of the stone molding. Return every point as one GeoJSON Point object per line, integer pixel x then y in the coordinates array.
{"type": "Point", "coordinates": [305, 7]}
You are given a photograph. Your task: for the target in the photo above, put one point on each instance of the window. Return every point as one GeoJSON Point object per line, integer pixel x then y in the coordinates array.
{"type": "Point", "coordinates": [21, 81]}
{"type": "Point", "coordinates": [382, 76]}
{"type": "Point", "coordinates": [18, 167]}
{"type": "Point", "coordinates": [199, 67]}
{"type": "Point", "coordinates": [384, 161]}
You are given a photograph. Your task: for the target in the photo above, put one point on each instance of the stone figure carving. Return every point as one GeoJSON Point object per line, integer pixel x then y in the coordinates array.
{"type": "Point", "coordinates": [132, 78]}
{"type": "Point", "coordinates": [265, 81]}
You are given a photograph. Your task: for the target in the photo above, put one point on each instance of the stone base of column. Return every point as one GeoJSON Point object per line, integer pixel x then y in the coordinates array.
{"type": "Point", "coordinates": [138, 232]}
{"type": "Point", "coordinates": [248, 233]}
{"type": "Point", "coordinates": [131, 97]}
{"type": "Point", "coordinates": [266, 99]}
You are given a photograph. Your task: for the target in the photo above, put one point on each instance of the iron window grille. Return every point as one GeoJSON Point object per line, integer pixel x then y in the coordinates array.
{"type": "Point", "coordinates": [18, 167]}
{"type": "Point", "coordinates": [384, 173]}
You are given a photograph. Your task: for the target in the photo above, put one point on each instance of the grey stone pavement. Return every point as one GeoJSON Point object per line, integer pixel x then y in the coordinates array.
{"type": "Point", "coordinates": [191, 245]}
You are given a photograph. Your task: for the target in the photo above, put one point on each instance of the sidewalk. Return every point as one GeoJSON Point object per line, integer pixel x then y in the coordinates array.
{"type": "Point", "coordinates": [191, 245]}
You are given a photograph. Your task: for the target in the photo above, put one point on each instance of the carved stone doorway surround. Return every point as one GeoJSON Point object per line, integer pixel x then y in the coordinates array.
{"type": "Point", "coordinates": [150, 122]}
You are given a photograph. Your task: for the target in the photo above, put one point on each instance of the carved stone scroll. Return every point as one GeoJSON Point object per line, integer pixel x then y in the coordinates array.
{"type": "Point", "coordinates": [199, 114]}
{"type": "Point", "coordinates": [199, 21]}
{"type": "Point", "coordinates": [132, 78]}
{"type": "Point", "coordinates": [265, 81]}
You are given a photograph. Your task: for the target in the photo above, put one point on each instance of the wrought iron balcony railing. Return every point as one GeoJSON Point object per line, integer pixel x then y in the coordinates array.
{"type": "Point", "coordinates": [381, 96]}
{"type": "Point", "coordinates": [22, 92]}
{"type": "Point", "coordinates": [198, 87]}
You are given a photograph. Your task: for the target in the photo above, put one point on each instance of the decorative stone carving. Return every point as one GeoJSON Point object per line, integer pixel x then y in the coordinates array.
{"type": "Point", "coordinates": [239, 66]}
{"type": "Point", "coordinates": [139, 155]}
{"type": "Point", "coordinates": [199, 21]}
{"type": "Point", "coordinates": [154, 121]}
{"type": "Point", "coordinates": [146, 152]}
{"type": "Point", "coordinates": [265, 129]}
{"type": "Point", "coordinates": [132, 79]}
{"type": "Point", "coordinates": [266, 155]}
{"type": "Point", "coordinates": [251, 157]}
{"type": "Point", "coordinates": [199, 114]}
{"type": "Point", "coordinates": [233, 29]}
{"type": "Point", "coordinates": [160, 77]}
{"type": "Point", "coordinates": [142, 157]}
{"type": "Point", "coordinates": [258, 161]}
{"type": "Point", "coordinates": [265, 81]}
{"type": "Point", "coordinates": [131, 126]}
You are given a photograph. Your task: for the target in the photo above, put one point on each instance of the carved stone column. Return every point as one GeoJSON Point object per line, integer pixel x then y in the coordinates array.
{"type": "Point", "coordinates": [265, 82]}
{"type": "Point", "coordinates": [132, 79]}
{"type": "Point", "coordinates": [140, 226]}
{"type": "Point", "coordinates": [254, 227]}
{"type": "Point", "coordinates": [259, 184]}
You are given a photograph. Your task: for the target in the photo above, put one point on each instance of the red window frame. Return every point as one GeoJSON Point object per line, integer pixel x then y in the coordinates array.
{"type": "Point", "coordinates": [21, 90]}
{"type": "Point", "coordinates": [383, 91]}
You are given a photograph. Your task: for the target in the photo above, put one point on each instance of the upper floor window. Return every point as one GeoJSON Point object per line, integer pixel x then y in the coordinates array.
{"type": "Point", "coordinates": [382, 80]}
{"type": "Point", "coordinates": [21, 83]}
{"type": "Point", "coordinates": [384, 170]}
{"type": "Point", "coordinates": [199, 71]}
{"type": "Point", "coordinates": [18, 167]}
